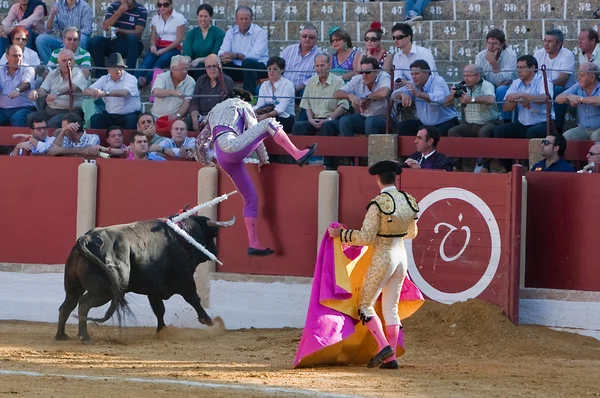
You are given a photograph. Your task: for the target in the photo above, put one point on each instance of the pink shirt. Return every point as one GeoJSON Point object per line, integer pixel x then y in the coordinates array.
{"type": "Point", "coordinates": [35, 20]}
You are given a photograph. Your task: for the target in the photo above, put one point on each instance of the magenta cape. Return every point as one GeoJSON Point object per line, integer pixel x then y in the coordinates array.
{"type": "Point", "coordinates": [332, 332]}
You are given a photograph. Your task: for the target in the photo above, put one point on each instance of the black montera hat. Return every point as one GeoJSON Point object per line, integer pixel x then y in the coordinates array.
{"type": "Point", "coordinates": [385, 166]}
{"type": "Point", "coordinates": [115, 59]}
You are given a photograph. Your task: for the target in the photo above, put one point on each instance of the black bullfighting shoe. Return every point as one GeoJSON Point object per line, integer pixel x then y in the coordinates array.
{"type": "Point", "coordinates": [381, 356]}
{"type": "Point", "coordinates": [389, 365]}
{"type": "Point", "coordinates": [304, 159]}
{"type": "Point", "coordinates": [258, 252]}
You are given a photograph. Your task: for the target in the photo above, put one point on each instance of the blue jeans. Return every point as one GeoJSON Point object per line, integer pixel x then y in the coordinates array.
{"type": "Point", "coordinates": [15, 117]}
{"type": "Point", "coordinates": [129, 46]}
{"type": "Point", "coordinates": [560, 110]}
{"type": "Point", "coordinates": [412, 7]}
{"type": "Point", "coordinates": [350, 125]}
{"type": "Point", "coordinates": [152, 61]}
{"type": "Point", "coordinates": [500, 94]}
{"type": "Point", "coordinates": [46, 43]}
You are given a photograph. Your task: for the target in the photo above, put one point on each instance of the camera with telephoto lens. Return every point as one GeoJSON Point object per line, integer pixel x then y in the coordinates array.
{"type": "Point", "coordinates": [460, 89]}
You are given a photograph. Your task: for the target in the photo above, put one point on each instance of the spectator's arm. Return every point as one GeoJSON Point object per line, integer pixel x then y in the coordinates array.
{"type": "Point", "coordinates": [562, 79]}
{"type": "Point", "coordinates": [339, 111]}
{"type": "Point", "coordinates": [36, 16]}
{"type": "Point", "coordinates": [86, 20]}
{"type": "Point", "coordinates": [562, 97]}
{"type": "Point", "coordinates": [227, 45]}
{"type": "Point", "coordinates": [59, 138]}
{"type": "Point", "coordinates": [438, 94]}
{"type": "Point", "coordinates": [183, 109]}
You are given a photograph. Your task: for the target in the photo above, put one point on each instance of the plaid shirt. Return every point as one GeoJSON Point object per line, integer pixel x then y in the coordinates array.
{"type": "Point", "coordinates": [481, 113]}
{"type": "Point", "coordinates": [84, 141]}
{"type": "Point", "coordinates": [80, 16]}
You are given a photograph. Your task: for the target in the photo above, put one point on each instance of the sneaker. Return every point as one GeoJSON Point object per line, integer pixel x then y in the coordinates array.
{"type": "Point", "coordinates": [412, 17]}
{"type": "Point", "coordinates": [478, 168]}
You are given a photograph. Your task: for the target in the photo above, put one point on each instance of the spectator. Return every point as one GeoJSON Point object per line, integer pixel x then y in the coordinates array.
{"type": "Point", "coordinates": [19, 36]}
{"type": "Point", "coordinates": [587, 41]}
{"type": "Point", "coordinates": [429, 92]}
{"type": "Point", "coordinates": [56, 90]}
{"type": "Point", "coordinates": [499, 63]}
{"type": "Point", "coordinates": [552, 150]}
{"type": "Point", "coordinates": [15, 83]}
{"type": "Point", "coordinates": [64, 14]}
{"type": "Point", "coordinates": [147, 125]}
{"type": "Point", "coordinates": [25, 14]}
{"type": "Point", "coordinates": [409, 53]}
{"type": "Point", "coordinates": [116, 147]}
{"type": "Point", "coordinates": [373, 49]}
{"type": "Point", "coordinates": [37, 142]}
{"type": "Point", "coordinates": [300, 58]}
{"type": "Point", "coordinates": [413, 10]}
{"type": "Point", "coordinates": [168, 31]}
{"type": "Point", "coordinates": [342, 60]}
{"type": "Point", "coordinates": [72, 140]}
{"type": "Point", "coordinates": [211, 88]}
{"type": "Point", "coordinates": [179, 145]}
{"type": "Point", "coordinates": [173, 90]}
{"type": "Point", "coordinates": [560, 64]}
{"type": "Point", "coordinates": [245, 46]}
{"type": "Point", "coordinates": [427, 156]}
{"type": "Point", "coordinates": [367, 92]}
{"type": "Point", "coordinates": [321, 108]}
{"type": "Point", "coordinates": [81, 56]}
{"type": "Point", "coordinates": [593, 157]}
{"type": "Point", "coordinates": [203, 40]}
{"type": "Point", "coordinates": [276, 96]}
{"type": "Point", "coordinates": [128, 18]}
{"type": "Point", "coordinates": [585, 96]}
{"type": "Point", "coordinates": [139, 148]}
{"type": "Point", "coordinates": [121, 96]}
{"type": "Point", "coordinates": [527, 94]}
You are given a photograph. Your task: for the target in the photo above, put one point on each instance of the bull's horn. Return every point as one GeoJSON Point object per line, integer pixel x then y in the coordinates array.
{"type": "Point", "coordinates": [221, 224]}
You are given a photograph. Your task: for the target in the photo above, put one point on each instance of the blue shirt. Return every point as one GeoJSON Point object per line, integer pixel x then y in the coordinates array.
{"type": "Point", "coordinates": [559, 165]}
{"type": "Point", "coordinates": [434, 112]}
{"type": "Point", "coordinates": [154, 156]}
{"type": "Point", "coordinates": [587, 115]}
{"type": "Point", "coordinates": [537, 112]}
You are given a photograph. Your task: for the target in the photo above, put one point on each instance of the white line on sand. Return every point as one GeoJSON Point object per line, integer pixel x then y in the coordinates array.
{"type": "Point", "coordinates": [268, 390]}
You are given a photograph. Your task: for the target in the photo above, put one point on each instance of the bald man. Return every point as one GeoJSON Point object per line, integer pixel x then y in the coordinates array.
{"type": "Point", "coordinates": [179, 145]}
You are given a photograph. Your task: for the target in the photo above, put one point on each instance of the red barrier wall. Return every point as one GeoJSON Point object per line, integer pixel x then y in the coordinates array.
{"type": "Point", "coordinates": [38, 209]}
{"type": "Point", "coordinates": [563, 218]}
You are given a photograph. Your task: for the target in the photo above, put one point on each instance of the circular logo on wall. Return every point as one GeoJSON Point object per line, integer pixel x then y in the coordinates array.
{"type": "Point", "coordinates": [456, 246]}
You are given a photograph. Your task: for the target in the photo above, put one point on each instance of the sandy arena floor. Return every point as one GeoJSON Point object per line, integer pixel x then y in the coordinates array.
{"type": "Point", "coordinates": [464, 350]}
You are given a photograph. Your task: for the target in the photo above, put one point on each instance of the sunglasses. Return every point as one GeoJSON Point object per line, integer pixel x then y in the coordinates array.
{"type": "Point", "coordinates": [371, 39]}
{"type": "Point", "coordinates": [336, 39]}
{"type": "Point", "coordinates": [546, 142]}
{"type": "Point", "coordinates": [211, 66]}
{"type": "Point", "coordinates": [19, 39]}
{"type": "Point", "coordinates": [399, 37]}
{"type": "Point", "coordinates": [309, 37]}
{"type": "Point", "coordinates": [166, 5]}
{"type": "Point", "coordinates": [366, 72]}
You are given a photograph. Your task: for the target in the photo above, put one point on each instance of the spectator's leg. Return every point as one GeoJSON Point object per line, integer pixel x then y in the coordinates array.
{"type": "Point", "coordinates": [5, 116]}
{"type": "Point", "coordinates": [130, 46]}
{"type": "Point", "coordinates": [31, 41]}
{"type": "Point", "coordinates": [251, 77]}
{"type": "Point", "coordinates": [147, 63]}
{"type": "Point", "coordinates": [18, 117]}
{"type": "Point", "coordinates": [500, 93]}
{"type": "Point", "coordinates": [536, 131]}
{"type": "Point", "coordinates": [3, 44]}
{"type": "Point", "coordinates": [560, 110]}
{"type": "Point", "coordinates": [330, 128]}
{"type": "Point", "coordinates": [163, 62]}
{"type": "Point", "coordinates": [408, 6]}
{"type": "Point", "coordinates": [595, 135]}
{"type": "Point", "coordinates": [576, 133]}
{"type": "Point", "coordinates": [102, 120]}
{"type": "Point", "coordinates": [45, 44]}
{"type": "Point", "coordinates": [287, 123]}
{"type": "Point", "coordinates": [487, 130]}
{"type": "Point", "coordinates": [447, 125]}
{"type": "Point", "coordinates": [100, 46]}
{"type": "Point", "coordinates": [304, 128]}
{"type": "Point", "coordinates": [233, 71]}
{"type": "Point", "coordinates": [351, 125]}
{"type": "Point", "coordinates": [375, 125]}
{"type": "Point", "coordinates": [417, 8]}
{"type": "Point", "coordinates": [408, 127]}
{"type": "Point", "coordinates": [130, 120]}
{"type": "Point", "coordinates": [464, 130]}
{"type": "Point", "coordinates": [510, 130]}
{"type": "Point", "coordinates": [84, 41]}
{"type": "Point", "coordinates": [55, 118]}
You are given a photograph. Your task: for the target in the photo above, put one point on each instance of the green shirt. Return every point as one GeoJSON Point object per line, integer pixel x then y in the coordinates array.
{"type": "Point", "coordinates": [196, 46]}
{"type": "Point", "coordinates": [82, 58]}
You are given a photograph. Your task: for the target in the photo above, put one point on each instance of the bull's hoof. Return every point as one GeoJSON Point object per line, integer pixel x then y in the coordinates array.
{"type": "Point", "coordinates": [61, 337]}
{"type": "Point", "coordinates": [85, 340]}
{"type": "Point", "coordinates": [206, 321]}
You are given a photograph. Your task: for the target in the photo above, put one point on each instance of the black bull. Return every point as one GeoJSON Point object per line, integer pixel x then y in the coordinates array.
{"type": "Point", "coordinates": [145, 257]}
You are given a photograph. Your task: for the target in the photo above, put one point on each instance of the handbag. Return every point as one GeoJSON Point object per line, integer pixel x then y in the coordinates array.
{"type": "Point", "coordinates": [264, 109]}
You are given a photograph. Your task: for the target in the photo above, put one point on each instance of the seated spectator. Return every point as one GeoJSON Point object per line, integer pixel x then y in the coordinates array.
{"type": "Point", "coordinates": [179, 145]}
{"type": "Point", "coordinates": [56, 90]}
{"type": "Point", "coordinates": [342, 60]}
{"type": "Point", "coordinates": [276, 96]}
{"type": "Point", "coordinates": [15, 84]}
{"type": "Point", "coordinates": [116, 148]}
{"type": "Point", "coordinates": [560, 64]}
{"type": "Point", "coordinates": [71, 42]}
{"type": "Point", "coordinates": [553, 148]}
{"type": "Point", "coordinates": [321, 108]}
{"type": "Point", "coordinates": [585, 96]}
{"type": "Point", "coordinates": [173, 90]}
{"type": "Point", "coordinates": [64, 14]}
{"type": "Point", "coordinates": [211, 88]}
{"type": "Point", "coordinates": [407, 54]}
{"type": "Point", "coordinates": [367, 93]}
{"type": "Point", "coordinates": [72, 140]}
{"type": "Point", "coordinates": [373, 49]}
{"type": "Point", "coordinates": [527, 94]}
{"type": "Point", "coordinates": [203, 40]}
{"type": "Point", "coordinates": [498, 63]}
{"type": "Point", "coordinates": [429, 93]}
{"type": "Point", "coordinates": [300, 58]}
{"type": "Point", "coordinates": [19, 36]}
{"type": "Point", "coordinates": [139, 148]}
{"type": "Point", "coordinates": [168, 31]}
{"type": "Point", "coordinates": [37, 142]}
{"type": "Point", "coordinates": [427, 157]}
{"type": "Point", "coordinates": [593, 157]}
{"type": "Point", "coordinates": [147, 124]}
{"type": "Point", "coordinates": [128, 18]}
{"type": "Point", "coordinates": [413, 10]}
{"type": "Point", "coordinates": [587, 41]}
{"type": "Point", "coordinates": [121, 96]}
{"type": "Point", "coordinates": [245, 46]}
{"type": "Point", "coordinates": [27, 15]}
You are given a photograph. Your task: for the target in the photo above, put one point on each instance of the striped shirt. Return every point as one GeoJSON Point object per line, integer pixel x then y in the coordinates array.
{"type": "Point", "coordinates": [85, 140]}
{"type": "Point", "coordinates": [80, 17]}
{"type": "Point", "coordinates": [481, 113]}
{"type": "Point", "coordinates": [294, 61]}
{"type": "Point", "coordinates": [137, 16]}
{"type": "Point", "coordinates": [170, 105]}
{"type": "Point", "coordinates": [82, 58]}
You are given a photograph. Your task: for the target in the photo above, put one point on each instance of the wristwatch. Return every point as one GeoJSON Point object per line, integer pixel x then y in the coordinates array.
{"type": "Point", "coordinates": [178, 115]}
{"type": "Point", "coordinates": [107, 93]}
{"type": "Point", "coordinates": [329, 119]}
{"type": "Point", "coordinates": [472, 100]}
{"type": "Point", "coordinates": [17, 89]}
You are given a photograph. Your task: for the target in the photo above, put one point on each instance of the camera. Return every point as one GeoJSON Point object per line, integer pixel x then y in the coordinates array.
{"type": "Point", "coordinates": [460, 89]}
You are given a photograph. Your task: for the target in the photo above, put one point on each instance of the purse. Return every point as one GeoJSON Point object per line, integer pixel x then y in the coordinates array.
{"type": "Point", "coordinates": [264, 109]}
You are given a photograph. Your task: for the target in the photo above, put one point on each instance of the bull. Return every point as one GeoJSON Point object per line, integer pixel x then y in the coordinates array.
{"type": "Point", "coordinates": [144, 257]}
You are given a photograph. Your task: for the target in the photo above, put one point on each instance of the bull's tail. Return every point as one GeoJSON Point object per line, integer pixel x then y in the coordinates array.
{"type": "Point", "coordinates": [118, 302]}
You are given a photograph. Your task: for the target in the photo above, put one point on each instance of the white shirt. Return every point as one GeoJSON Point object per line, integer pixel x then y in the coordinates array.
{"type": "Point", "coordinates": [583, 59]}
{"type": "Point", "coordinates": [54, 82]}
{"type": "Point", "coordinates": [168, 30]}
{"type": "Point", "coordinates": [507, 64]}
{"type": "Point", "coordinates": [120, 105]}
{"type": "Point", "coordinates": [402, 61]}
{"type": "Point", "coordinates": [30, 58]}
{"type": "Point", "coordinates": [357, 86]}
{"type": "Point", "coordinates": [253, 44]}
{"type": "Point", "coordinates": [423, 157]}
{"type": "Point", "coordinates": [42, 146]}
{"type": "Point", "coordinates": [283, 97]}
{"type": "Point", "coordinates": [536, 113]}
{"type": "Point", "coordinates": [564, 62]}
